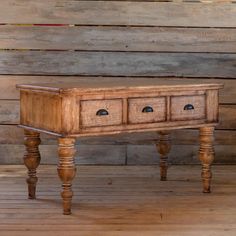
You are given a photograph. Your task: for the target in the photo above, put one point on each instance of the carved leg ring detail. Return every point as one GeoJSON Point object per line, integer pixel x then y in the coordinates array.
{"type": "Point", "coordinates": [66, 170]}
{"type": "Point", "coordinates": [206, 155]}
{"type": "Point", "coordinates": [32, 160]}
{"type": "Point", "coordinates": [163, 147]}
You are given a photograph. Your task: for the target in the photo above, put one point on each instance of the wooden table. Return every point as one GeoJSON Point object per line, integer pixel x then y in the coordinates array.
{"type": "Point", "coordinates": [97, 107]}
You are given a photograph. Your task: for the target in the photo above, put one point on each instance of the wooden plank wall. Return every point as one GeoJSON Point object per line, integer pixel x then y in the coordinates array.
{"type": "Point", "coordinates": [59, 40]}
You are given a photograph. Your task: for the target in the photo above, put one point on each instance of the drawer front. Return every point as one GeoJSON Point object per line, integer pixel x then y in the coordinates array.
{"type": "Point", "coordinates": [95, 113]}
{"type": "Point", "coordinates": [188, 107]}
{"type": "Point", "coordinates": [146, 110]}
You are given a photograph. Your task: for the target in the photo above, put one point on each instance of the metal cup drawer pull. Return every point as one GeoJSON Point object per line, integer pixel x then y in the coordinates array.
{"type": "Point", "coordinates": [189, 107]}
{"type": "Point", "coordinates": [147, 109]}
{"type": "Point", "coordinates": [102, 112]}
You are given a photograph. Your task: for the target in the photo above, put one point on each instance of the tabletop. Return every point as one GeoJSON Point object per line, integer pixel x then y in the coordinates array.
{"type": "Point", "coordinates": [123, 83]}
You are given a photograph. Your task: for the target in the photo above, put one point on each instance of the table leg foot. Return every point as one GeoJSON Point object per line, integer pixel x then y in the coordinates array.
{"type": "Point", "coordinates": [66, 170]}
{"type": "Point", "coordinates": [163, 147]}
{"type": "Point", "coordinates": [32, 160]}
{"type": "Point", "coordinates": [206, 156]}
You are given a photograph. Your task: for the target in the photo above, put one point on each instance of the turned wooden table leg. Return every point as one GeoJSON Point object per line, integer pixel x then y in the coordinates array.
{"type": "Point", "coordinates": [163, 147]}
{"type": "Point", "coordinates": [66, 170]}
{"type": "Point", "coordinates": [32, 160]}
{"type": "Point", "coordinates": [206, 155]}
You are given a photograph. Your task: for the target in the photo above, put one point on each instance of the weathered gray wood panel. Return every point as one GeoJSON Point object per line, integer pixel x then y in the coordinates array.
{"type": "Point", "coordinates": [118, 38]}
{"type": "Point", "coordinates": [227, 117]}
{"type": "Point", "coordinates": [118, 63]}
{"type": "Point", "coordinates": [86, 154]}
{"type": "Point", "coordinates": [98, 150]}
{"type": "Point", "coordinates": [117, 154]}
{"type": "Point", "coordinates": [11, 134]}
{"type": "Point", "coordinates": [180, 154]}
{"type": "Point", "coordinates": [8, 84]}
{"type": "Point", "coordinates": [9, 112]}
{"type": "Point", "coordinates": [118, 13]}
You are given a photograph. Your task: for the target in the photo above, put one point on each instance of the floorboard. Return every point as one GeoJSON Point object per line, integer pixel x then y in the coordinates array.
{"type": "Point", "coordinates": [120, 201]}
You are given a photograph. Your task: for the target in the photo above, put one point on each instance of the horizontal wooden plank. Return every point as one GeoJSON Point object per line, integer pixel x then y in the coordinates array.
{"type": "Point", "coordinates": [115, 231]}
{"type": "Point", "coordinates": [179, 154]}
{"type": "Point", "coordinates": [185, 230]}
{"type": "Point", "coordinates": [118, 13]}
{"type": "Point", "coordinates": [118, 38]}
{"type": "Point", "coordinates": [227, 117]}
{"type": "Point", "coordinates": [8, 85]}
{"type": "Point", "coordinates": [87, 154]}
{"type": "Point", "coordinates": [118, 63]}
{"type": "Point", "coordinates": [117, 154]}
{"type": "Point", "coordinates": [11, 134]}
{"type": "Point", "coordinates": [178, 137]}
{"type": "Point", "coordinates": [9, 114]}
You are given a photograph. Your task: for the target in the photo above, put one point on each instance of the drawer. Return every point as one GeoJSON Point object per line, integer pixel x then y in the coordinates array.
{"type": "Point", "coordinates": [146, 110]}
{"type": "Point", "coordinates": [188, 107]}
{"type": "Point", "coordinates": [95, 113]}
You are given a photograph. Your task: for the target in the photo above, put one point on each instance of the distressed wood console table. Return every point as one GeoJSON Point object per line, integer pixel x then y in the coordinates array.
{"type": "Point", "coordinates": [97, 107]}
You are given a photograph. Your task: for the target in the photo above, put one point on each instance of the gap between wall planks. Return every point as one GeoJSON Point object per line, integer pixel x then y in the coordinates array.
{"type": "Point", "coordinates": [199, 34]}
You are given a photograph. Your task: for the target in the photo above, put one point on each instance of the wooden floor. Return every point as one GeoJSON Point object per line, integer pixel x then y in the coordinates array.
{"type": "Point", "coordinates": [120, 200]}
